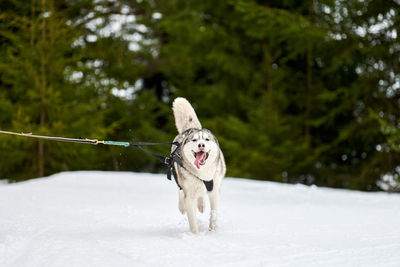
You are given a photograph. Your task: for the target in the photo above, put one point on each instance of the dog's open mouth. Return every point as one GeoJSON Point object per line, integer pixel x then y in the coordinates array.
{"type": "Point", "coordinates": [200, 158]}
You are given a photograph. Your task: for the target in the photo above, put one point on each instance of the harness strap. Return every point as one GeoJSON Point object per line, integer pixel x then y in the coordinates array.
{"type": "Point", "coordinates": [171, 166]}
{"type": "Point", "coordinates": [169, 161]}
{"type": "Point", "coordinates": [209, 185]}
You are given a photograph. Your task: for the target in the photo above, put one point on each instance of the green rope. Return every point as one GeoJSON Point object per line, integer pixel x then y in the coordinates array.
{"type": "Point", "coordinates": [115, 143]}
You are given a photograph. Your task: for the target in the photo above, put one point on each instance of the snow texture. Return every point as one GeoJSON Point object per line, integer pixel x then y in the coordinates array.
{"type": "Point", "coordinates": [128, 219]}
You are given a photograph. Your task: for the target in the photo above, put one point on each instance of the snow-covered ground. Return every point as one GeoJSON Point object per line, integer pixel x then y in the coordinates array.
{"type": "Point", "coordinates": [129, 219]}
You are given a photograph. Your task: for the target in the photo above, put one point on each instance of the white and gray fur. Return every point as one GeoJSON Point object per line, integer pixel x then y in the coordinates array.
{"type": "Point", "coordinates": [191, 176]}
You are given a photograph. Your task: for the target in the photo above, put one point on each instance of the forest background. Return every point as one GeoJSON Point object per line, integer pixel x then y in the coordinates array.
{"type": "Point", "coordinates": [296, 91]}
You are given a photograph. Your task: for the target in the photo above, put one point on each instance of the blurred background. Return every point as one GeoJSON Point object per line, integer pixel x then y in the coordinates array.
{"type": "Point", "coordinates": [296, 91]}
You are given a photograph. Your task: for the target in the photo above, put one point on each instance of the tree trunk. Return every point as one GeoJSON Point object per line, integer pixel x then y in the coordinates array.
{"type": "Point", "coordinates": [308, 95]}
{"type": "Point", "coordinates": [42, 90]}
{"type": "Point", "coordinates": [309, 85]}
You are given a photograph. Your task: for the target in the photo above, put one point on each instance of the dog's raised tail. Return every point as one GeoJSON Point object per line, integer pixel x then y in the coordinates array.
{"type": "Point", "coordinates": [185, 116]}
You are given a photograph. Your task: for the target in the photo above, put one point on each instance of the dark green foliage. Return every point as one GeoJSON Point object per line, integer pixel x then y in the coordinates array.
{"type": "Point", "coordinates": [296, 91]}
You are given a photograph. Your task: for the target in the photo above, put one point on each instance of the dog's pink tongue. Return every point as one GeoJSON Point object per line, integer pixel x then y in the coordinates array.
{"type": "Point", "coordinates": [200, 156]}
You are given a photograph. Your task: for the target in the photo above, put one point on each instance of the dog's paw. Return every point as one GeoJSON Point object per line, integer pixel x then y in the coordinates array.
{"type": "Point", "coordinates": [213, 220]}
{"type": "Point", "coordinates": [181, 203]}
{"type": "Point", "coordinates": [182, 208]}
{"type": "Point", "coordinates": [201, 208]}
{"type": "Point", "coordinates": [201, 204]}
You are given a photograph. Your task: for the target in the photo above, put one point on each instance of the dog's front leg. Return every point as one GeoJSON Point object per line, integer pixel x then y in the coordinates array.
{"type": "Point", "coordinates": [214, 199]}
{"type": "Point", "coordinates": [190, 203]}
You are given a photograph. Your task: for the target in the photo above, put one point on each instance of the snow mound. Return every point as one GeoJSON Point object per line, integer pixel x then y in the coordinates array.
{"type": "Point", "coordinates": [131, 219]}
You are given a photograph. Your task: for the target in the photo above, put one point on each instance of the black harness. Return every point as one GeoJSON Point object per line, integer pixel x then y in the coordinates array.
{"type": "Point", "coordinates": [169, 161]}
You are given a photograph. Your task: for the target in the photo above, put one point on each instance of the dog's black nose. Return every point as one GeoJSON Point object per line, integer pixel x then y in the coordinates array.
{"type": "Point", "coordinates": [201, 146]}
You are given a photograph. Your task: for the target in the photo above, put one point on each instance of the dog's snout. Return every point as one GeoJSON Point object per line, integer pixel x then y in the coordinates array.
{"type": "Point", "coordinates": [201, 146]}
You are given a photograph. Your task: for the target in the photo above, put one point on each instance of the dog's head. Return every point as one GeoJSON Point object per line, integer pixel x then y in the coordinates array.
{"type": "Point", "coordinates": [200, 148]}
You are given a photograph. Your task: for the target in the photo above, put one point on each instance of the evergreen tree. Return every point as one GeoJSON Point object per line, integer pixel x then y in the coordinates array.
{"type": "Point", "coordinates": [299, 80]}
{"type": "Point", "coordinates": [40, 91]}
{"type": "Point", "coordinates": [296, 91]}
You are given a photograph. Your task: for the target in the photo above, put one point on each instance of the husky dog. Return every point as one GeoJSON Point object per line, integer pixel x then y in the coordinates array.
{"type": "Point", "coordinates": [203, 164]}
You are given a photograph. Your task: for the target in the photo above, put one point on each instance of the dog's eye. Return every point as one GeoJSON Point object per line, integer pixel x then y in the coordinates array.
{"type": "Point", "coordinates": [194, 140]}
{"type": "Point", "coordinates": [207, 139]}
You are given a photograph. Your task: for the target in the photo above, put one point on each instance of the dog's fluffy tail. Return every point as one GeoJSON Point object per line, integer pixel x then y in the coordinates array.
{"type": "Point", "coordinates": [185, 116]}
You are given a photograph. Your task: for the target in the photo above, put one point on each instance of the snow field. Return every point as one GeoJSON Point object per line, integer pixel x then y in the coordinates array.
{"type": "Point", "coordinates": [132, 219]}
